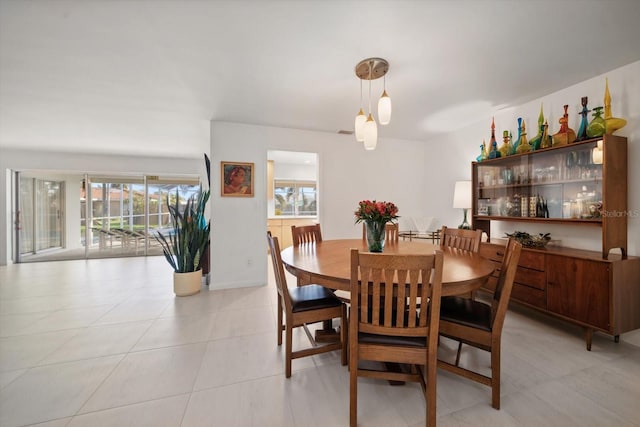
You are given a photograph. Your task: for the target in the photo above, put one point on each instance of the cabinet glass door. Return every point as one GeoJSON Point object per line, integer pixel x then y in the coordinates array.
{"type": "Point", "coordinates": [560, 183]}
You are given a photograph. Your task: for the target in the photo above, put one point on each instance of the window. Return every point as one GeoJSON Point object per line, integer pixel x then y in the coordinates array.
{"type": "Point", "coordinates": [295, 198]}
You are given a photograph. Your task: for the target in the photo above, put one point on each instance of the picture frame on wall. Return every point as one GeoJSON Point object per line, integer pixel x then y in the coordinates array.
{"type": "Point", "coordinates": [236, 179]}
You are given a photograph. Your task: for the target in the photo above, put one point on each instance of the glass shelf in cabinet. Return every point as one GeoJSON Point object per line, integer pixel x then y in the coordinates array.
{"type": "Point", "coordinates": [594, 221]}
{"type": "Point", "coordinates": [540, 183]}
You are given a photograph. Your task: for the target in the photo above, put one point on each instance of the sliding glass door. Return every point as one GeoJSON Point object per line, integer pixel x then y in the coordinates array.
{"type": "Point", "coordinates": [41, 215]}
{"type": "Point", "coordinates": [111, 216]}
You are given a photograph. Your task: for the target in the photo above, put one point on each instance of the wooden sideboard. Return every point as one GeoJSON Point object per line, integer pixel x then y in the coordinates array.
{"type": "Point", "coordinates": [577, 286]}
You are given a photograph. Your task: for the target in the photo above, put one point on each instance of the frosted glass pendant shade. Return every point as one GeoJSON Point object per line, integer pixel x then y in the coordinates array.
{"type": "Point", "coordinates": [596, 154]}
{"type": "Point", "coordinates": [384, 109]}
{"type": "Point", "coordinates": [359, 126]}
{"type": "Point", "coordinates": [370, 133]}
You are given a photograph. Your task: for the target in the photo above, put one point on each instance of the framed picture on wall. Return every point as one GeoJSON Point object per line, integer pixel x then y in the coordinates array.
{"type": "Point", "coordinates": [236, 179]}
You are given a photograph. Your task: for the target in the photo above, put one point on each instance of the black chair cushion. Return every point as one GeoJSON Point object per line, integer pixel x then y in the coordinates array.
{"type": "Point", "coordinates": [467, 312]}
{"type": "Point", "coordinates": [312, 297]}
{"type": "Point", "coordinates": [365, 338]}
{"type": "Point", "coordinates": [369, 338]}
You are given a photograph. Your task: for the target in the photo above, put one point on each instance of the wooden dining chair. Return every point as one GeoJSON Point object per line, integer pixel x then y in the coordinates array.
{"type": "Point", "coordinates": [306, 234]}
{"type": "Point", "coordinates": [480, 325]}
{"type": "Point", "coordinates": [391, 232]}
{"type": "Point", "coordinates": [468, 240]}
{"type": "Point", "coordinates": [386, 325]}
{"type": "Point", "coordinates": [304, 305]}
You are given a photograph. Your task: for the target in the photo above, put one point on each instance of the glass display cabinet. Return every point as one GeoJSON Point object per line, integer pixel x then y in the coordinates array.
{"type": "Point", "coordinates": [583, 183]}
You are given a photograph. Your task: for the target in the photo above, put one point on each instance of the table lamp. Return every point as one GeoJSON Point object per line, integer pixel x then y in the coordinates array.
{"type": "Point", "coordinates": [462, 200]}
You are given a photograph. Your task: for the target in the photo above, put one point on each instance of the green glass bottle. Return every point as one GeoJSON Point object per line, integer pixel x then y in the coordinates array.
{"type": "Point", "coordinates": [597, 126]}
{"type": "Point", "coordinates": [536, 141]}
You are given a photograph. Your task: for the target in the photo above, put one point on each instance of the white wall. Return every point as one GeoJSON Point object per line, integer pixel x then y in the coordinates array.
{"type": "Point", "coordinates": [624, 86]}
{"type": "Point", "coordinates": [57, 162]}
{"type": "Point", "coordinates": [291, 171]}
{"type": "Point", "coordinates": [418, 176]}
{"type": "Point", "coordinates": [395, 171]}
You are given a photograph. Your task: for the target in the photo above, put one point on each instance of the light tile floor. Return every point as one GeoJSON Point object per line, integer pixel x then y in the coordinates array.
{"type": "Point", "coordinates": [106, 343]}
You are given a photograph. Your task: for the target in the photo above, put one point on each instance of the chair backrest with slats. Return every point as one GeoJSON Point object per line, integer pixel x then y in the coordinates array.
{"type": "Point", "coordinates": [387, 290]}
{"type": "Point", "coordinates": [306, 234]}
{"type": "Point", "coordinates": [501, 296]}
{"type": "Point", "coordinates": [391, 232]}
{"type": "Point", "coordinates": [468, 240]}
{"type": "Point", "coordinates": [278, 270]}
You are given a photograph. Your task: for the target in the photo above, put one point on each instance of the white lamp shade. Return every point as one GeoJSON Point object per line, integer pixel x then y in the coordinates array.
{"type": "Point", "coordinates": [384, 109]}
{"type": "Point", "coordinates": [359, 126]}
{"type": "Point", "coordinates": [596, 156]}
{"type": "Point", "coordinates": [370, 133]}
{"type": "Point", "coordinates": [462, 195]}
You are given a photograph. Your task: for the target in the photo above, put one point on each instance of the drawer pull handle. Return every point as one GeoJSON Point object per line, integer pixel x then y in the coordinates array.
{"type": "Point", "coordinates": [499, 253]}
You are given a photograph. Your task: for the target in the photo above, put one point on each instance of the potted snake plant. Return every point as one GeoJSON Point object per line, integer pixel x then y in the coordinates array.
{"type": "Point", "coordinates": [186, 244]}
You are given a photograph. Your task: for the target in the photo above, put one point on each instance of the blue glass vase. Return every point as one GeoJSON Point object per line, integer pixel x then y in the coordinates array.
{"type": "Point", "coordinates": [375, 235]}
{"type": "Point", "coordinates": [514, 147]}
{"type": "Point", "coordinates": [584, 122]}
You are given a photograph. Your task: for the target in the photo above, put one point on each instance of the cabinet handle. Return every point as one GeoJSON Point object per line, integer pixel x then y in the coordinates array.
{"type": "Point", "coordinates": [500, 254]}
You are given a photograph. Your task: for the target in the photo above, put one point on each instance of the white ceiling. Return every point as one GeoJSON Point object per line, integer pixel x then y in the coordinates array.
{"type": "Point", "coordinates": [147, 76]}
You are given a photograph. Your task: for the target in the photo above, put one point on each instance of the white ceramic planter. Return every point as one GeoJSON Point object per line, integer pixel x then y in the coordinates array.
{"type": "Point", "coordinates": [185, 284]}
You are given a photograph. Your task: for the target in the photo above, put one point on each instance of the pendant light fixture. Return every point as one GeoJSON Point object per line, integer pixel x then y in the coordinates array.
{"type": "Point", "coordinates": [370, 127]}
{"type": "Point", "coordinates": [360, 120]}
{"type": "Point", "coordinates": [384, 105]}
{"type": "Point", "coordinates": [372, 69]}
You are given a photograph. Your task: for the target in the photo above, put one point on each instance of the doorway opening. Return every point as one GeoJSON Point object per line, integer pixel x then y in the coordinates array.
{"type": "Point", "coordinates": [293, 192]}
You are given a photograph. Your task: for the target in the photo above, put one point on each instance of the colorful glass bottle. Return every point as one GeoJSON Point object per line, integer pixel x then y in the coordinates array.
{"type": "Point", "coordinates": [547, 141]}
{"type": "Point", "coordinates": [493, 134]}
{"type": "Point", "coordinates": [524, 146]}
{"type": "Point", "coordinates": [505, 148]}
{"type": "Point", "coordinates": [597, 126]}
{"type": "Point", "coordinates": [494, 153]}
{"type": "Point", "coordinates": [483, 152]}
{"type": "Point", "coordinates": [565, 135]}
{"type": "Point", "coordinates": [493, 144]}
{"type": "Point", "coordinates": [613, 123]}
{"type": "Point", "coordinates": [514, 147]}
{"type": "Point", "coordinates": [582, 130]}
{"type": "Point", "coordinates": [536, 141]}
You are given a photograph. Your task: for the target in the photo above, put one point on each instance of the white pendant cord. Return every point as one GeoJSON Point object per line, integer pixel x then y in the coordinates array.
{"type": "Point", "coordinates": [370, 67]}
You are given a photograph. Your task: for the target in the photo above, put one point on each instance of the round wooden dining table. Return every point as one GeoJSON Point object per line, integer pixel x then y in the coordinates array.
{"type": "Point", "coordinates": [328, 263]}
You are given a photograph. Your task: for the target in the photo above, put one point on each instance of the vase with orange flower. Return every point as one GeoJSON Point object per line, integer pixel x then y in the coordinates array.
{"type": "Point", "coordinates": [375, 215]}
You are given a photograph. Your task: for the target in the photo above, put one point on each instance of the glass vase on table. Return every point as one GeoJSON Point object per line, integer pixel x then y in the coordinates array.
{"type": "Point", "coordinates": [375, 235]}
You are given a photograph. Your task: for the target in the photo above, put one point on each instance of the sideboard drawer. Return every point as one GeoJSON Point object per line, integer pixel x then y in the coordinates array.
{"type": "Point", "coordinates": [528, 259]}
{"type": "Point", "coordinates": [532, 260]}
{"type": "Point", "coordinates": [533, 278]}
{"type": "Point", "coordinates": [492, 252]}
{"type": "Point", "coordinates": [529, 295]}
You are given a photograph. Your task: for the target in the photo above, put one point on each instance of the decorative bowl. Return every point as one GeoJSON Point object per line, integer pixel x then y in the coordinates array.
{"type": "Point", "coordinates": [529, 241]}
